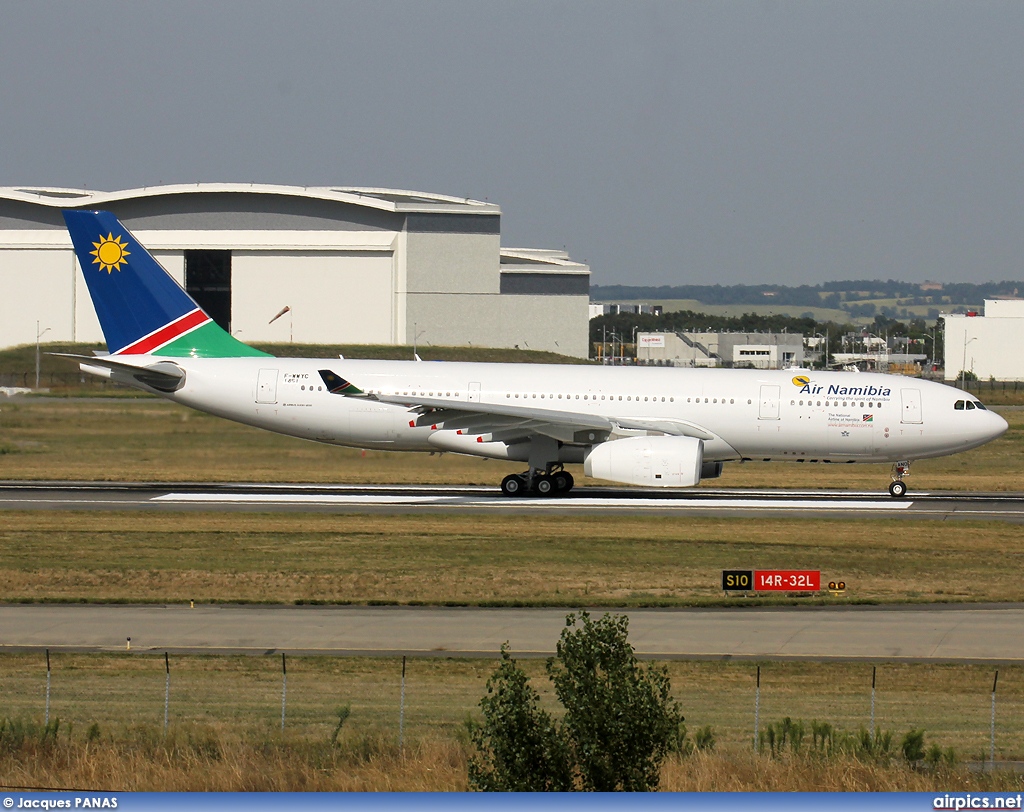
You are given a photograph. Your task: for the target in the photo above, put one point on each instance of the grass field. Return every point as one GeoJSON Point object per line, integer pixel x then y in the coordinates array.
{"type": "Point", "coordinates": [153, 440]}
{"type": "Point", "coordinates": [225, 716]}
{"type": "Point", "coordinates": [474, 560]}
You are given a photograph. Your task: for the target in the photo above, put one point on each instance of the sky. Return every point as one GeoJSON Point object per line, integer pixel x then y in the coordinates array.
{"type": "Point", "coordinates": [677, 142]}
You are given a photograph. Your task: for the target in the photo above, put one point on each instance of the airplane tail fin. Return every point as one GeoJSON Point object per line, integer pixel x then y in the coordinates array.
{"type": "Point", "coordinates": [141, 309]}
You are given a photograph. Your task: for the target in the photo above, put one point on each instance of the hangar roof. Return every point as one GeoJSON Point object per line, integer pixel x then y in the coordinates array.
{"type": "Point", "coordinates": [539, 260]}
{"type": "Point", "coordinates": [393, 200]}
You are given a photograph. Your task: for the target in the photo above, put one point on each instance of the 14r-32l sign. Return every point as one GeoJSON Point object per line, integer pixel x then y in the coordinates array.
{"type": "Point", "coordinates": [771, 580]}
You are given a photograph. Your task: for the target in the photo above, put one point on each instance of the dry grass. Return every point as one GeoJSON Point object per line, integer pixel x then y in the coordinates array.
{"type": "Point", "coordinates": [199, 759]}
{"type": "Point", "coordinates": [472, 559]}
{"type": "Point", "coordinates": [199, 762]}
{"type": "Point", "coordinates": [225, 714]}
{"type": "Point", "coordinates": [152, 440]}
{"type": "Point", "coordinates": [745, 772]}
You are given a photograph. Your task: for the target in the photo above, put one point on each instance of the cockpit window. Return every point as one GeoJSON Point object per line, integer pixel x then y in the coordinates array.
{"type": "Point", "coordinates": [979, 405]}
{"type": "Point", "coordinates": [970, 404]}
{"type": "Point", "coordinates": [959, 405]}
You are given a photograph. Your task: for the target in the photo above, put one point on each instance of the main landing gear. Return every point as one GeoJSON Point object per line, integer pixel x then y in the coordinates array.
{"type": "Point", "coordinates": [540, 483]}
{"type": "Point", "coordinates": [898, 488]}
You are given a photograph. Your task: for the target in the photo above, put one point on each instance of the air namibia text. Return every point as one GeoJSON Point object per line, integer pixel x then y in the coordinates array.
{"type": "Point", "coordinates": [848, 391]}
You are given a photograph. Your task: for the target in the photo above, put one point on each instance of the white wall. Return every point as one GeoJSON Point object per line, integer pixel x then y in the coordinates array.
{"type": "Point", "coordinates": [988, 347]}
{"type": "Point", "coordinates": [336, 298]}
{"type": "Point", "coordinates": [36, 284]}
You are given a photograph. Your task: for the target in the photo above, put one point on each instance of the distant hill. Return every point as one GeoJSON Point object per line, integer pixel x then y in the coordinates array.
{"type": "Point", "coordinates": [850, 295]}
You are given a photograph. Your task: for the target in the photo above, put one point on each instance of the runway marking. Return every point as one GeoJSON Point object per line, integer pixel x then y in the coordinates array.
{"type": "Point", "coordinates": [583, 502]}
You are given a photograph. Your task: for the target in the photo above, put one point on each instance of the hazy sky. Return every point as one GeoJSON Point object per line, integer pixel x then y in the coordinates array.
{"type": "Point", "coordinates": [661, 142]}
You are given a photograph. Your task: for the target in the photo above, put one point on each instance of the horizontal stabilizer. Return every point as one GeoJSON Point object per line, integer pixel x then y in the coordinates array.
{"type": "Point", "coordinates": [162, 376]}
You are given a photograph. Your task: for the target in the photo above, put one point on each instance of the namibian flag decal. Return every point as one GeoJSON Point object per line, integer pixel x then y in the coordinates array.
{"type": "Point", "coordinates": [337, 385]}
{"type": "Point", "coordinates": [868, 418]}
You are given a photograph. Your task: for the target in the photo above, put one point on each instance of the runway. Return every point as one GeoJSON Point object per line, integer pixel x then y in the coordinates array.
{"type": "Point", "coordinates": [990, 634]}
{"type": "Point", "coordinates": [417, 499]}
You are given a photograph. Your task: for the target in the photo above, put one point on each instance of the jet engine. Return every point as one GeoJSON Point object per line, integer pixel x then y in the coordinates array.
{"type": "Point", "coordinates": [662, 462]}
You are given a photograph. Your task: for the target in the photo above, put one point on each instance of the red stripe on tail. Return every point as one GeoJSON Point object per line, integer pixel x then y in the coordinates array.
{"type": "Point", "coordinates": [166, 334]}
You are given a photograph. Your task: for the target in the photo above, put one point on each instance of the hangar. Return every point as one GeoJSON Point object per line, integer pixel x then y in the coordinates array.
{"type": "Point", "coordinates": [346, 265]}
{"type": "Point", "coordinates": [987, 346]}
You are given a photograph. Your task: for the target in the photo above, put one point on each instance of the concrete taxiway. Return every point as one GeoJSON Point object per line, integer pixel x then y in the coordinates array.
{"type": "Point", "coordinates": [925, 633]}
{"type": "Point", "coordinates": [398, 498]}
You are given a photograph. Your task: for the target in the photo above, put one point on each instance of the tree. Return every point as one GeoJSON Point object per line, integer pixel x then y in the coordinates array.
{"type": "Point", "coordinates": [520, 747]}
{"type": "Point", "coordinates": [620, 720]}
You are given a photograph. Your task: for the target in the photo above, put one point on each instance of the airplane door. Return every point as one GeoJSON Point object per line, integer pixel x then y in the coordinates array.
{"type": "Point", "coordinates": [266, 386]}
{"type": "Point", "coordinates": [474, 392]}
{"type": "Point", "coordinates": [769, 409]}
{"type": "Point", "coordinates": [911, 406]}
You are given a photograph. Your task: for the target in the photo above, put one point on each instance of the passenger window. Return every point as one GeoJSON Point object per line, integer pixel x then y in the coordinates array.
{"type": "Point", "coordinates": [959, 405]}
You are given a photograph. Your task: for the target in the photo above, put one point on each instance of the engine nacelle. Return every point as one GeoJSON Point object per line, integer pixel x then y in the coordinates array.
{"type": "Point", "coordinates": [662, 462]}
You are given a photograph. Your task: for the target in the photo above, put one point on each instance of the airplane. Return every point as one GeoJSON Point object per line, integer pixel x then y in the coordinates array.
{"type": "Point", "coordinates": [653, 427]}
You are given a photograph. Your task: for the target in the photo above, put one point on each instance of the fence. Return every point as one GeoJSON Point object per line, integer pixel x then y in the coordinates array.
{"type": "Point", "coordinates": [978, 387]}
{"type": "Point", "coordinates": [432, 697]}
{"type": "Point", "coordinates": [52, 380]}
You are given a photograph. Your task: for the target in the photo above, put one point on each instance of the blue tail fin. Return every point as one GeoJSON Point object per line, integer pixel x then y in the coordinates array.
{"type": "Point", "coordinates": [141, 309]}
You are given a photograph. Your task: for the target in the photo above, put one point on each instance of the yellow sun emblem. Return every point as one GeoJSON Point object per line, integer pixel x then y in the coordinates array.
{"type": "Point", "coordinates": [801, 380]}
{"type": "Point", "coordinates": [110, 253]}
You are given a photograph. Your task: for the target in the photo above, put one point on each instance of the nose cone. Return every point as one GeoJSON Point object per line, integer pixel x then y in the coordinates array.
{"type": "Point", "coordinates": [996, 427]}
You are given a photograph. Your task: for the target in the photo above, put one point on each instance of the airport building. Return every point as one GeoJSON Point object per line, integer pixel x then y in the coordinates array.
{"type": "Point", "coordinates": [346, 265]}
{"type": "Point", "coordinates": [721, 349]}
{"type": "Point", "coordinates": [987, 346]}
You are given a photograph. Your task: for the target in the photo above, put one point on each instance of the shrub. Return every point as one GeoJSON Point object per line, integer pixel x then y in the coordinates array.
{"type": "Point", "coordinates": [704, 739]}
{"type": "Point", "coordinates": [620, 719]}
{"type": "Point", "coordinates": [619, 724]}
{"type": "Point", "coordinates": [520, 747]}
{"type": "Point", "coordinates": [913, 746]}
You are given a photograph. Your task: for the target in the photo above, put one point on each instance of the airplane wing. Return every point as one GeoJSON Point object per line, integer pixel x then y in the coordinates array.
{"type": "Point", "coordinates": [512, 422]}
{"type": "Point", "coordinates": [163, 375]}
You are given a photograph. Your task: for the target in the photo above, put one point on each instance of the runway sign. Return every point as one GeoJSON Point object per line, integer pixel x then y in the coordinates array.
{"type": "Point", "coordinates": [787, 580]}
{"type": "Point", "coordinates": [737, 580]}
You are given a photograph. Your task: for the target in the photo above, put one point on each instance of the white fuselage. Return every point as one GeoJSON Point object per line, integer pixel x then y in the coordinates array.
{"type": "Point", "coordinates": [745, 414]}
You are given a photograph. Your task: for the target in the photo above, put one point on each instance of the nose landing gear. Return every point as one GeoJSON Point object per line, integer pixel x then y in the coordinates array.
{"type": "Point", "coordinates": [898, 488]}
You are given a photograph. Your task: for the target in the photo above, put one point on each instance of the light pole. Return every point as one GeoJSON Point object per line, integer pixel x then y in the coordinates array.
{"type": "Point", "coordinates": [963, 366]}
{"type": "Point", "coordinates": [39, 335]}
{"type": "Point", "coordinates": [824, 358]}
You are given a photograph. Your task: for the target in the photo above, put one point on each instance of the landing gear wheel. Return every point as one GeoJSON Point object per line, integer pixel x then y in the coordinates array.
{"type": "Point", "coordinates": [544, 485]}
{"type": "Point", "coordinates": [897, 489]}
{"type": "Point", "coordinates": [563, 481]}
{"type": "Point", "coordinates": [513, 485]}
